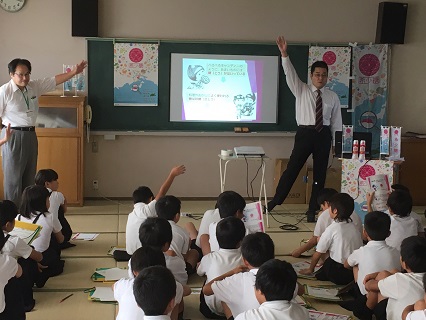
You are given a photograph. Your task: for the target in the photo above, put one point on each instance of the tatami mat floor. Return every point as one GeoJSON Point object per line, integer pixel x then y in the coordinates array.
{"type": "Point", "coordinates": [108, 218]}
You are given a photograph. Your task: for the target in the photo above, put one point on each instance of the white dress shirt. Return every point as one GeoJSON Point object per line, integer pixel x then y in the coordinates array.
{"type": "Point", "coordinates": [276, 310]}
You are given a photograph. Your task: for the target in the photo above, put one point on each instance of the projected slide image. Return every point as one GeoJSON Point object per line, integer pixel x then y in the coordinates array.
{"type": "Point", "coordinates": [217, 88]}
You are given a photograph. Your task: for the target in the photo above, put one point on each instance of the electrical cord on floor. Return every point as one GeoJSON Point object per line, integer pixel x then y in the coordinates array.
{"type": "Point", "coordinates": [287, 226]}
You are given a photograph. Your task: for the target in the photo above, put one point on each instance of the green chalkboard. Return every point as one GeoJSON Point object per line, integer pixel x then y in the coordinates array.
{"type": "Point", "coordinates": [107, 117]}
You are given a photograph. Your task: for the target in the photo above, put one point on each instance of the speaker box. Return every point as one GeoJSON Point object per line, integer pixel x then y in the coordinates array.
{"type": "Point", "coordinates": [391, 22]}
{"type": "Point", "coordinates": [84, 18]}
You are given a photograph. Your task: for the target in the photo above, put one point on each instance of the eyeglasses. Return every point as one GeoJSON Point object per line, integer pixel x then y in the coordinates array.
{"type": "Point", "coordinates": [22, 75]}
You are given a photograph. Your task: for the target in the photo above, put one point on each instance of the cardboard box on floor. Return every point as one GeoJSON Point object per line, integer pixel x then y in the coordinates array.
{"type": "Point", "coordinates": [297, 194]}
{"type": "Point", "coordinates": [333, 180]}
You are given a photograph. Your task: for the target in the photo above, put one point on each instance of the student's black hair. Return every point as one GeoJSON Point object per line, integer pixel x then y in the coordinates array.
{"type": "Point", "coordinates": [146, 257]}
{"type": "Point", "coordinates": [34, 201]}
{"type": "Point", "coordinates": [276, 280]}
{"type": "Point", "coordinates": [318, 64]}
{"type": "Point", "coordinates": [400, 202]}
{"type": "Point", "coordinates": [155, 233]}
{"type": "Point", "coordinates": [424, 282]}
{"type": "Point", "coordinates": [230, 232]}
{"type": "Point", "coordinates": [167, 207]}
{"type": "Point", "coordinates": [154, 288]}
{"type": "Point", "coordinates": [413, 253]}
{"type": "Point", "coordinates": [344, 204]}
{"type": "Point", "coordinates": [142, 194]}
{"type": "Point", "coordinates": [45, 175]}
{"type": "Point", "coordinates": [324, 195]}
{"type": "Point", "coordinates": [398, 186]}
{"type": "Point", "coordinates": [377, 225]}
{"type": "Point", "coordinates": [8, 212]}
{"type": "Point", "coordinates": [2, 242]}
{"type": "Point", "coordinates": [257, 248]}
{"type": "Point", "coordinates": [229, 202]}
{"type": "Point", "coordinates": [18, 61]}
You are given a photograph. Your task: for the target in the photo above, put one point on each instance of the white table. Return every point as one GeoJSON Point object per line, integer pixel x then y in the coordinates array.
{"type": "Point", "coordinates": [223, 164]}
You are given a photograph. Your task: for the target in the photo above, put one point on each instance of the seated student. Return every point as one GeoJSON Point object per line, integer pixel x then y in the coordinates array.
{"type": "Point", "coordinates": [202, 240]}
{"type": "Point", "coordinates": [235, 288]}
{"type": "Point", "coordinates": [230, 204]}
{"type": "Point", "coordinates": [154, 290]}
{"type": "Point", "coordinates": [11, 303]}
{"type": "Point", "coordinates": [403, 225]}
{"type": "Point", "coordinates": [123, 289]}
{"type": "Point", "coordinates": [390, 292]}
{"type": "Point", "coordinates": [144, 207]}
{"type": "Point", "coordinates": [339, 239]}
{"type": "Point", "coordinates": [230, 232]}
{"type": "Point", "coordinates": [373, 257]}
{"type": "Point", "coordinates": [58, 204]}
{"type": "Point", "coordinates": [275, 284]}
{"type": "Point", "coordinates": [416, 311]}
{"type": "Point", "coordinates": [157, 233]}
{"type": "Point", "coordinates": [35, 209]}
{"type": "Point", "coordinates": [16, 248]}
{"type": "Point", "coordinates": [168, 207]}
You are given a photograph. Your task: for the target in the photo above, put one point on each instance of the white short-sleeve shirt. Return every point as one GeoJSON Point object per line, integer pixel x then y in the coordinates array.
{"type": "Point", "coordinates": [415, 216]}
{"type": "Point", "coordinates": [215, 264]}
{"type": "Point", "coordinates": [56, 199]}
{"type": "Point", "coordinates": [416, 315]}
{"type": "Point", "coordinates": [340, 239]}
{"type": "Point", "coordinates": [324, 220]}
{"type": "Point", "coordinates": [181, 239]}
{"type": "Point", "coordinates": [209, 217]}
{"type": "Point", "coordinates": [128, 308]}
{"type": "Point", "coordinates": [375, 256]}
{"type": "Point", "coordinates": [16, 247]}
{"type": "Point", "coordinates": [237, 292]}
{"type": "Point", "coordinates": [141, 211]}
{"type": "Point", "coordinates": [400, 229]}
{"type": "Point", "coordinates": [402, 289]}
{"type": "Point", "coordinates": [8, 269]}
{"type": "Point", "coordinates": [46, 221]}
{"type": "Point", "coordinates": [276, 310]}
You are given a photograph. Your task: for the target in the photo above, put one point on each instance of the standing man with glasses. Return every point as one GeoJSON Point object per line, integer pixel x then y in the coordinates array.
{"type": "Point", "coordinates": [18, 110]}
{"type": "Point", "coordinates": [318, 117]}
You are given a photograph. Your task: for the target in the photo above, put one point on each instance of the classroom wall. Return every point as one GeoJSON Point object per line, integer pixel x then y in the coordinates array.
{"type": "Point", "coordinates": [41, 32]}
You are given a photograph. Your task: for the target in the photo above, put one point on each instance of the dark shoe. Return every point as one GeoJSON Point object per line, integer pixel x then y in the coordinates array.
{"type": "Point", "coordinates": [310, 216]}
{"type": "Point", "coordinates": [271, 206]}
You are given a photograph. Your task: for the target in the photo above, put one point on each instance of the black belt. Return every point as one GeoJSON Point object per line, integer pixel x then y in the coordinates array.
{"type": "Point", "coordinates": [310, 127]}
{"type": "Point", "coordinates": [20, 128]}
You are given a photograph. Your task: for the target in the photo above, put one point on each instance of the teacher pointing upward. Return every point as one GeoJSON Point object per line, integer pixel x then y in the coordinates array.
{"type": "Point", "coordinates": [318, 117]}
{"type": "Point", "coordinates": [19, 109]}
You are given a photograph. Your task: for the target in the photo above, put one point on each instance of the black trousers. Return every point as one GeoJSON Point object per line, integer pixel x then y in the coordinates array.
{"type": "Point", "coordinates": [14, 309]}
{"type": "Point", "coordinates": [66, 228]}
{"type": "Point", "coordinates": [307, 141]}
{"type": "Point", "coordinates": [335, 272]}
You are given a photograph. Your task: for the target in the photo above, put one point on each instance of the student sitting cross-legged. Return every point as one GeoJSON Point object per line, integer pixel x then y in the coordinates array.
{"type": "Point", "coordinates": [154, 290]}
{"type": "Point", "coordinates": [375, 256]}
{"type": "Point", "coordinates": [230, 232]}
{"type": "Point", "coordinates": [235, 288]}
{"type": "Point", "coordinates": [276, 282]}
{"type": "Point", "coordinates": [123, 289]}
{"type": "Point", "coordinates": [340, 239]}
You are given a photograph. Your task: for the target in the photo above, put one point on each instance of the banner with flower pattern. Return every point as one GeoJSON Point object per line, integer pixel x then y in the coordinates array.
{"type": "Point", "coordinates": [135, 74]}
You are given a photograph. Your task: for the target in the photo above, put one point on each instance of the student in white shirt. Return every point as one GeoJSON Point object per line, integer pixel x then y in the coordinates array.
{"type": "Point", "coordinates": [340, 239]}
{"type": "Point", "coordinates": [230, 204]}
{"type": "Point", "coordinates": [11, 302]}
{"type": "Point", "coordinates": [390, 292]}
{"type": "Point", "coordinates": [230, 232]}
{"type": "Point", "coordinates": [16, 248]}
{"type": "Point", "coordinates": [154, 291]}
{"type": "Point", "coordinates": [375, 256]}
{"type": "Point", "coordinates": [168, 207]}
{"type": "Point", "coordinates": [144, 207]}
{"type": "Point", "coordinates": [35, 209]}
{"type": "Point", "coordinates": [58, 204]}
{"type": "Point", "coordinates": [275, 284]}
{"type": "Point", "coordinates": [123, 289]}
{"type": "Point", "coordinates": [235, 288]}
{"type": "Point", "coordinates": [202, 241]}
{"type": "Point", "coordinates": [416, 311]}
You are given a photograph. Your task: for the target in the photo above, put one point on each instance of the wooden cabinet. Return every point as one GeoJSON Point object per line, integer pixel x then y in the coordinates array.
{"type": "Point", "coordinates": [413, 173]}
{"type": "Point", "coordinates": [60, 128]}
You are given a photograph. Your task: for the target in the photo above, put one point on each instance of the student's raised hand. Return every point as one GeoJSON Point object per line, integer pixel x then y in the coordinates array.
{"type": "Point", "coordinates": [370, 197]}
{"type": "Point", "coordinates": [177, 171]}
{"type": "Point", "coordinates": [282, 45]}
{"type": "Point", "coordinates": [79, 67]}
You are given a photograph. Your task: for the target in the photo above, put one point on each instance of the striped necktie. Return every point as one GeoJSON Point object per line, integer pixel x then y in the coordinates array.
{"type": "Point", "coordinates": [318, 112]}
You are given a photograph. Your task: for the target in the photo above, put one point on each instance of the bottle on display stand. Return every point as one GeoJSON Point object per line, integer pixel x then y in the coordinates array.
{"type": "Point", "coordinates": [362, 150]}
{"type": "Point", "coordinates": [355, 150]}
